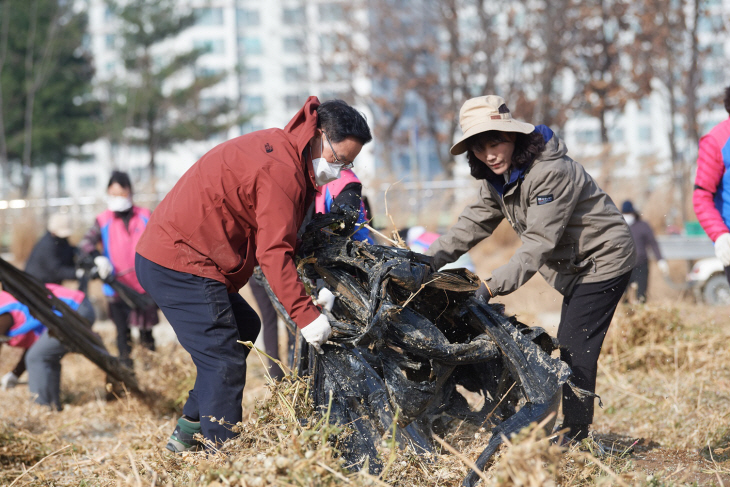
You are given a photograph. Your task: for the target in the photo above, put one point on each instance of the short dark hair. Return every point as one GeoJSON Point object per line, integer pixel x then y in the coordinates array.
{"type": "Point", "coordinates": [527, 148]}
{"type": "Point", "coordinates": [340, 121]}
{"type": "Point", "coordinates": [121, 178]}
{"type": "Point", "coordinates": [727, 99]}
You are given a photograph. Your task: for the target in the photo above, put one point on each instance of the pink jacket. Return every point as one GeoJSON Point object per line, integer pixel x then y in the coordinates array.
{"type": "Point", "coordinates": [711, 197]}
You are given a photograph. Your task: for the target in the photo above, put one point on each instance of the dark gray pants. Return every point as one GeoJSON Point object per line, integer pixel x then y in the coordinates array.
{"type": "Point", "coordinates": [43, 362]}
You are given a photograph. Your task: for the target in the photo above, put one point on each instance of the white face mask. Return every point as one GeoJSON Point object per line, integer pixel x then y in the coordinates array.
{"type": "Point", "coordinates": [324, 172]}
{"type": "Point", "coordinates": [118, 204]}
{"type": "Point", "coordinates": [630, 218]}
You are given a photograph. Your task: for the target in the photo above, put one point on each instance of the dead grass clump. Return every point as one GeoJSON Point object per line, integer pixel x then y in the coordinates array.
{"type": "Point", "coordinates": [531, 459]}
{"type": "Point", "coordinates": [643, 335]}
{"type": "Point", "coordinates": [18, 447]}
{"type": "Point", "coordinates": [26, 232]}
{"type": "Point", "coordinates": [167, 374]}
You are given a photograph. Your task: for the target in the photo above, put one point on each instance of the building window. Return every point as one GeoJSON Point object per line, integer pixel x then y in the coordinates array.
{"type": "Point", "coordinates": [209, 16]}
{"type": "Point", "coordinates": [110, 41]}
{"type": "Point", "coordinates": [645, 133]}
{"type": "Point", "coordinates": [247, 17]}
{"type": "Point", "coordinates": [293, 44]}
{"type": "Point", "coordinates": [293, 74]}
{"type": "Point", "coordinates": [337, 72]}
{"type": "Point", "coordinates": [252, 75]}
{"type": "Point", "coordinates": [294, 16]}
{"type": "Point", "coordinates": [211, 46]}
{"type": "Point", "coordinates": [331, 11]}
{"type": "Point", "coordinates": [251, 45]}
{"type": "Point", "coordinates": [294, 102]}
{"type": "Point", "coordinates": [87, 182]}
{"type": "Point", "coordinates": [330, 43]}
{"type": "Point", "coordinates": [205, 72]}
{"type": "Point", "coordinates": [254, 104]}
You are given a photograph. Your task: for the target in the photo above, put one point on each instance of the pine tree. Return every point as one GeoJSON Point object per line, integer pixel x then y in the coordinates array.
{"type": "Point", "coordinates": [46, 107]}
{"type": "Point", "coordinates": [160, 114]}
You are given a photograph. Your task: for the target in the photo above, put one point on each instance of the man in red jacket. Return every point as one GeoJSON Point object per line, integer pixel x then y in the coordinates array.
{"type": "Point", "coordinates": [240, 206]}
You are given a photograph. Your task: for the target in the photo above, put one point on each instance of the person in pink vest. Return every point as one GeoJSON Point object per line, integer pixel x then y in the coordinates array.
{"type": "Point", "coordinates": [111, 242]}
{"type": "Point", "coordinates": [346, 190]}
{"type": "Point", "coordinates": [711, 197]}
{"type": "Point", "coordinates": [43, 353]}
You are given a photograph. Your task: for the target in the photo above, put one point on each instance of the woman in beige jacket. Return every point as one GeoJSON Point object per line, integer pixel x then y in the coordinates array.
{"type": "Point", "coordinates": [571, 232]}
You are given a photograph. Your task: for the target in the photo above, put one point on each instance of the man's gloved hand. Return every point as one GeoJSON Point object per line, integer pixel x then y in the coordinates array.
{"type": "Point", "coordinates": [483, 293]}
{"type": "Point", "coordinates": [325, 298]}
{"type": "Point", "coordinates": [722, 248]}
{"type": "Point", "coordinates": [317, 332]}
{"type": "Point", "coordinates": [663, 266]}
{"type": "Point", "coordinates": [8, 381]}
{"type": "Point", "coordinates": [103, 266]}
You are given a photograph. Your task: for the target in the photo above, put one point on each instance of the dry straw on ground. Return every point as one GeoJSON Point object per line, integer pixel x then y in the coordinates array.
{"type": "Point", "coordinates": [679, 399]}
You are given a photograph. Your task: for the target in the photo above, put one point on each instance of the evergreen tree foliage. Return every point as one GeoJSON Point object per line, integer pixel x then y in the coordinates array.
{"type": "Point", "coordinates": [160, 102]}
{"type": "Point", "coordinates": [46, 108]}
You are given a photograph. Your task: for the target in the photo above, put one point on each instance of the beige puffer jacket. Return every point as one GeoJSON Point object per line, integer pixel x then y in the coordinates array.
{"type": "Point", "coordinates": [570, 229]}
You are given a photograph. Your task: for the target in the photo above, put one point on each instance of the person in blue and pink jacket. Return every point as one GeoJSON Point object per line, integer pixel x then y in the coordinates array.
{"type": "Point", "coordinates": [43, 352]}
{"type": "Point", "coordinates": [111, 243]}
{"type": "Point", "coordinates": [711, 197]}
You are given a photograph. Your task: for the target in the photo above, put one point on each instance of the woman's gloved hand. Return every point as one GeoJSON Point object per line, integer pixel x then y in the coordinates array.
{"type": "Point", "coordinates": [8, 381]}
{"type": "Point", "coordinates": [722, 248]}
{"type": "Point", "coordinates": [103, 266]}
{"type": "Point", "coordinates": [317, 332]}
{"type": "Point", "coordinates": [483, 293]}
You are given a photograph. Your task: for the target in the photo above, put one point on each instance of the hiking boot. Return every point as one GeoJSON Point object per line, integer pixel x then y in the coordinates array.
{"type": "Point", "coordinates": [182, 439]}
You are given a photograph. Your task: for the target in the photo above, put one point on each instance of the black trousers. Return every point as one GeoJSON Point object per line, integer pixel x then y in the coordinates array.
{"type": "Point", "coordinates": [640, 276]}
{"type": "Point", "coordinates": [119, 314]}
{"type": "Point", "coordinates": [584, 321]}
{"type": "Point", "coordinates": [208, 323]}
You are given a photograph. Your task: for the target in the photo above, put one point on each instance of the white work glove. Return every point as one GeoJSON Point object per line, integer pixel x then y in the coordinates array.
{"type": "Point", "coordinates": [317, 332]}
{"type": "Point", "coordinates": [8, 381]}
{"type": "Point", "coordinates": [103, 266]}
{"type": "Point", "coordinates": [663, 266]}
{"type": "Point", "coordinates": [325, 298]}
{"type": "Point", "coordinates": [722, 248]}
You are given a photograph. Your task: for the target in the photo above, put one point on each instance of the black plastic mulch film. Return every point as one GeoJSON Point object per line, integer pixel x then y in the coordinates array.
{"type": "Point", "coordinates": [404, 337]}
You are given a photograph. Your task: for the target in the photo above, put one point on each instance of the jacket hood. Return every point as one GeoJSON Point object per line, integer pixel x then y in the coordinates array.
{"type": "Point", "coordinates": [302, 128]}
{"type": "Point", "coordinates": [555, 148]}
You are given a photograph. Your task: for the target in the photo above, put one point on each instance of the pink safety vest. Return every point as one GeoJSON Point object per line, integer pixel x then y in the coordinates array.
{"type": "Point", "coordinates": [65, 294]}
{"type": "Point", "coordinates": [334, 187]}
{"type": "Point", "coordinates": [21, 318]}
{"type": "Point", "coordinates": [119, 244]}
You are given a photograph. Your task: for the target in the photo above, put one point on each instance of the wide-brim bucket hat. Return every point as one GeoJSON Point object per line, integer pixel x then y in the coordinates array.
{"type": "Point", "coordinates": [485, 113]}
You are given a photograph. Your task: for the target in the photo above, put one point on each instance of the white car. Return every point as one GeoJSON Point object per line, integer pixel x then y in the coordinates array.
{"type": "Point", "coordinates": [709, 282]}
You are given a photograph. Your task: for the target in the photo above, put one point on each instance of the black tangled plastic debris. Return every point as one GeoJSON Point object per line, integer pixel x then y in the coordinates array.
{"type": "Point", "coordinates": [404, 337]}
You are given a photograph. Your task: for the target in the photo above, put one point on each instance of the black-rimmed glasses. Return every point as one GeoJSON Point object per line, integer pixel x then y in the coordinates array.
{"type": "Point", "coordinates": [345, 165]}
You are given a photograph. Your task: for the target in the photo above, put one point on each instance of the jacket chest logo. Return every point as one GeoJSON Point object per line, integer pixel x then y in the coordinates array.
{"type": "Point", "coordinates": [268, 148]}
{"type": "Point", "coordinates": [545, 199]}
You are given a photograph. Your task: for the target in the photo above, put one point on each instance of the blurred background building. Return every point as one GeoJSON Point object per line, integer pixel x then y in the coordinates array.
{"type": "Point", "coordinates": [631, 86]}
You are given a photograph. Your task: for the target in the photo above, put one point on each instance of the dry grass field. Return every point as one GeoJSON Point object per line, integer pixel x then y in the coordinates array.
{"type": "Point", "coordinates": [664, 380]}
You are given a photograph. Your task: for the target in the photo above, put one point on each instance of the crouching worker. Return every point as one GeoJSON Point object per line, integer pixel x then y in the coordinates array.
{"type": "Point", "coordinates": [43, 352]}
{"type": "Point", "coordinates": [240, 206]}
{"type": "Point", "coordinates": [571, 233]}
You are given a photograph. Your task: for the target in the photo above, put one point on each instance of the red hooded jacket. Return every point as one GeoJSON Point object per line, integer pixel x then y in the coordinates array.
{"type": "Point", "coordinates": [240, 206]}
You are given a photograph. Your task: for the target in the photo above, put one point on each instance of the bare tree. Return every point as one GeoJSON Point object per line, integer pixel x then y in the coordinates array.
{"type": "Point", "coordinates": [668, 56]}
{"type": "Point", "coordinates": [597, 59]}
